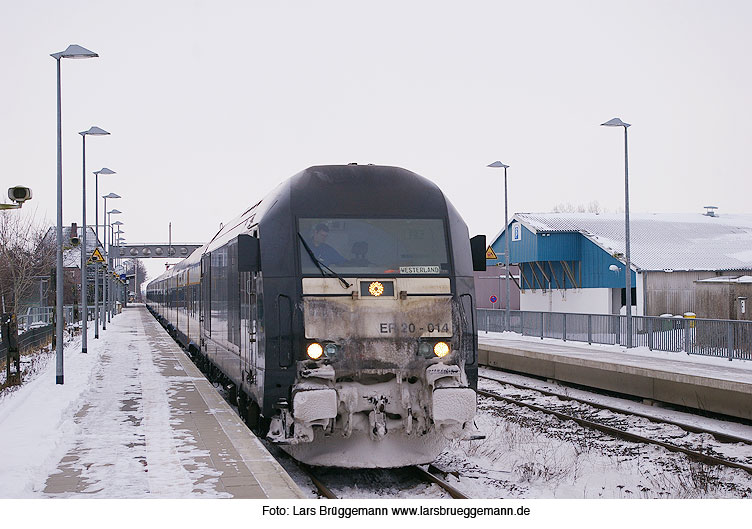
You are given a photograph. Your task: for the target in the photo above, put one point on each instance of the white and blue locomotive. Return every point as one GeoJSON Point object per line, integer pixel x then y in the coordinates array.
{"type": "Point", "coordinates": [340, 307]}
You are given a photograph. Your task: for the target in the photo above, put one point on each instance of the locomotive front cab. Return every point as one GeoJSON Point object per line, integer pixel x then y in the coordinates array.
{"type": "Point", "coordinates": [386, 340]}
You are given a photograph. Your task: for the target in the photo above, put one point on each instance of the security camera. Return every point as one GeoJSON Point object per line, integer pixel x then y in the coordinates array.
{"type": "Point", "coordinates": [19, 194]}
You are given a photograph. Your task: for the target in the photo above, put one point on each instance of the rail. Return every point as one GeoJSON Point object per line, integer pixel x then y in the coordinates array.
{"type": "Point", "coordinates": [730, 339]}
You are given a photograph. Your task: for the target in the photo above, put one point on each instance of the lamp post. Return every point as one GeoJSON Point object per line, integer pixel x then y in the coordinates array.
{"type": "Point", "coordinates": [121, 262]}
{"type": "Point", "coordinates": [104, 274]}
{"type": "Point", "coordinates": [120, 241]}
{"type": "Point", "coordinates": [74, 51]}
{"type": "Point", "coordinates": [113, 233]}
{"type": "Point", "coordinates": [616, 122]}
{"type": "Point", "coordinates": [93, 131]}
{"type": "Point", "coordinates": [108, 283]}
{"type": "Point", "coordinates": [507, 316]}
{"type": "Point", "coordinates": [105, 171]}
{"type": "Point", "coordinates": [118, 297]}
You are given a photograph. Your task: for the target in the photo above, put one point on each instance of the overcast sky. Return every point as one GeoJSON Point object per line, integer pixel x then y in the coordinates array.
{"type": "Point", "coordinates": [212, 103]}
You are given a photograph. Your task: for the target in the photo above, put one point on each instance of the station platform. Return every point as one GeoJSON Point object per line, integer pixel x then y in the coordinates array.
{"type": "Point", "coordinates": [710, 384]}
{"type": "Point", "coordinates": [150, 425]}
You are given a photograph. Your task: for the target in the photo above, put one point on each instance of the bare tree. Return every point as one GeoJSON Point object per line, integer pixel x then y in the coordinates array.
{"type": "Point", "coordinates": [592, 207]}
{"type": "Point", "coordinates": [564, 208]}
{"type": "Point", "coordinates": [25, 256]}
{"type": "Point", "coordinates": [595, 207]}
{"type": "Point", "coordinates": [141, 274]}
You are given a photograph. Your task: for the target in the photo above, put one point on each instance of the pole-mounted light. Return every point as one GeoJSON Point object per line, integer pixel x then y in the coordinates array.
{"type": "Point", "coordinates": [616, 122]}
{"type": "Point", "coordinates": [74, 51]}
{"type": "Point", "coordinates": [507, 314]}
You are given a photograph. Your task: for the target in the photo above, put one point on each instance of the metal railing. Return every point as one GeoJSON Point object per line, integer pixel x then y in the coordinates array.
{"type": "Point", "coordinates": [37, 316]}
{"type": "Point", "coordinates": [35, 327]}
{"type": "Point", "coordinates": [730, 339]}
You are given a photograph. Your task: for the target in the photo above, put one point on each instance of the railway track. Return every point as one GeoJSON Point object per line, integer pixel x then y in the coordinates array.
{"type": "Point", "coordinates": [720, 436]}
{"type": "Point", "coordinates": [428, 475]}
{"type": "Point", "coordinates": [574, 414]}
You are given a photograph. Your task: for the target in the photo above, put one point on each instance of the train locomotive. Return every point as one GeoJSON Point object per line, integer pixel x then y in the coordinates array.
{"type": "Point", "coordinates": [340, 311]}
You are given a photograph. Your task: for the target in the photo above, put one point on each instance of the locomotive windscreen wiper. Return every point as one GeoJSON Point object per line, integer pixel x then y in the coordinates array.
{"type": "Point", "coordinates": [319, 264]}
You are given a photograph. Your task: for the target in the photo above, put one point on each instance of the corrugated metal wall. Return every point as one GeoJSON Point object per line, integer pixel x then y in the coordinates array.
{"type": "Point", "coordinates": [595, 268]}
{"type": "Point", "coordinates": [672, 292]}
{"type": "Point", "coordinates": [721, 300]}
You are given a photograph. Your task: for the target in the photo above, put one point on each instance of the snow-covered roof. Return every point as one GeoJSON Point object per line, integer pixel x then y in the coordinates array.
{"type": "Point", "coordinates": [660, 241]}
{"type": "Point", "coordinates": [727, 279]}
{"type": "Point", "coordinates": [72, 254]}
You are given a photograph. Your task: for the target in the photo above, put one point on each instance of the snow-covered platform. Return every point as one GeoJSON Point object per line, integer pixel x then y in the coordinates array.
{"type": "Point", "coordinates": [134, 419]}
{"type": "Point", "coordinates": [712, 384]}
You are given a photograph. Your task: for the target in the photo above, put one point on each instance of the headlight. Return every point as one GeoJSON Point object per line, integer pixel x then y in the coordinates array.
{"type": "Point", "coordinates": [441, 349]}
{"type": "Point", "coordinates": [425, 349]}
{"type": "Point", "coordinates": [315, 351]}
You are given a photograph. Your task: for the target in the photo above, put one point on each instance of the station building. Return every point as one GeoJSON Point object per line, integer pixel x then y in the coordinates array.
{"type": "Point", "coordinates": [72, 261]}
{"type": "Point", "coordinates": [575, 262]}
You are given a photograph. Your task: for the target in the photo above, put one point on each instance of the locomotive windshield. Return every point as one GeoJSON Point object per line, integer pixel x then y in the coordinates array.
{"type": "Point", "coordinates": [374, 246]}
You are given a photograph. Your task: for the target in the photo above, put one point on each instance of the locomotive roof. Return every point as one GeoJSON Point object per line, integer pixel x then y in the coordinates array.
{"type": "Point", "coordinates": [363, 190]}
{"type": "Point", "coordinates": [334, 190]}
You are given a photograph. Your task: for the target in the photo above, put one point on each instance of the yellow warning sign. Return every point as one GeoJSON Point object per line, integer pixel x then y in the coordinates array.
{"type": "Point", "coordinates": [490, 254]}
{"type": "Point", "coordinates": [96, 257]}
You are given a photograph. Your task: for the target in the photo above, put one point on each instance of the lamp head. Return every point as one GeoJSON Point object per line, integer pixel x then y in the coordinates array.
{"type": "Point", "coordinates": [74, 51]}
{"type": "Point", "coordinates": [94, 131]}
{"type": "Point", "coordinates": [112, 195]}
{"type": "Point", "coordinates": [616, 122]}
{"type": "Point", "coordinates": [104, 170]}
{"type": "Point", "coordinates": [497, 164]}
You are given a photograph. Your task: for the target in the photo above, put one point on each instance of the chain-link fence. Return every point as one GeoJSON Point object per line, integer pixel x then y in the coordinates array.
{"type": "Point", "coordinates": [724, 338]}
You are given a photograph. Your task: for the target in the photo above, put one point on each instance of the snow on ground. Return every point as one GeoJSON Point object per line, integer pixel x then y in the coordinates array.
{"type": "Point", "coordinates": [95, 426]}
{"type": "Point", "coordinates": [694, 363]}
{"type": "Point", "coordinates": [37, 423]}
{"type": "Point", "coordinates": [654, 410]}
{"type": "Point", "coordinates": [528, 454]}
{"type": "Point", "coordinates": [525, 455]}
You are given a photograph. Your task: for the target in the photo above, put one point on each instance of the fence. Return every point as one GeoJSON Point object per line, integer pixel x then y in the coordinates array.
{"type": "Point", "coordinates": [723, 338]}
{"type": "Point", "coordinates": [35, 328]}
{"type": "Point", "coordinates": [37, 316]}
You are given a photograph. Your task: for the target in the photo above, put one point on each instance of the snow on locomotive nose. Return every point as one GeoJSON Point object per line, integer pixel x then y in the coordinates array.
{"type": "Point", "coordinates": [385, 362]}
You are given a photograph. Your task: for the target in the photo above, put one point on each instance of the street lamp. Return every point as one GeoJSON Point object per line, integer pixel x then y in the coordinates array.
{"type": "Point", "coordinates": [105, 171]}
{"type": "Point", "coordinates": [74, 51]}
{"type": "Point", "coordinates": [115, 235]}
{"type": "Point", "coordinates": [507, 316]}
{"type": "Point", "coordinates": [108, 283]}
{"type": "Point", "coordinates": [104, 274]}
{"type": "Point", "coordinates": [616, 122]}
{"type": "Point", "coordinates": [119, 232]}
{"type": "Point", "coordinates": [93, 131]}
